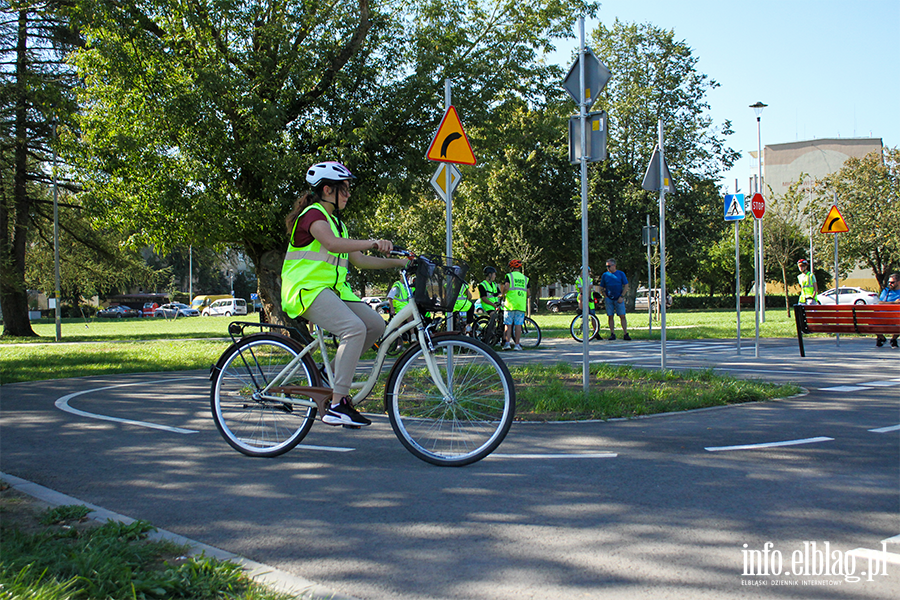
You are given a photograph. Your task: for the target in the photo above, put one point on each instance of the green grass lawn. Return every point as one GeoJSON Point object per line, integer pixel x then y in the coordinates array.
{"type": "Point", "coordinates": [105, 347]}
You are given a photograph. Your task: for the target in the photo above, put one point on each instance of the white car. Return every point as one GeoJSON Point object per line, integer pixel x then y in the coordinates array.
{"type": "Point", "coordinates": [176, 309]}
{"type": "Point", "coordinates": [372, 301]}
{"type": "Point", "coordinates": [849, 295]}
{"type": "Point", "coordinates": [641, 298]}
{"type": "Point", "coordinates": [226, 307]}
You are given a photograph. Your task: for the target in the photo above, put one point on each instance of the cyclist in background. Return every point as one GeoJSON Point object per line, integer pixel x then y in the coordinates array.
{"type": "Point", "coordinates": [314, 278]}
{"type": "Point", "coordinates": [489, 290]}
{"type": "Point", "coordinates": [515, 289]}
{"type": "Point", "coordinates": [592, 296]}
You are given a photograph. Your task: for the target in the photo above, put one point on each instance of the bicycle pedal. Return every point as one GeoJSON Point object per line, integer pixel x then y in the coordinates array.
{"type": "Point", "coordinates": [352, 426]}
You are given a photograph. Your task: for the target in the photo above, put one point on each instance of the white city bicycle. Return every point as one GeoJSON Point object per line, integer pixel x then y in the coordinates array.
{"type": "Point", "coordinates": [450, 398]}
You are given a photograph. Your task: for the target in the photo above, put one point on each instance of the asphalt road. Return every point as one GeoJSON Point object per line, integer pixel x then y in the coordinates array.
{"type": "Point", "coordinates": [674, 506]}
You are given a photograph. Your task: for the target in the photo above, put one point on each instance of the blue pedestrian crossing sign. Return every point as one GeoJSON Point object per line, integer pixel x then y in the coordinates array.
{"type": "Point", "coordinates": [734, 207]}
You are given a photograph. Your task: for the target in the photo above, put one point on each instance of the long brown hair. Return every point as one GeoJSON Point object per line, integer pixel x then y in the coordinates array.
{"type": "Point", "coordinates": [303, 200]}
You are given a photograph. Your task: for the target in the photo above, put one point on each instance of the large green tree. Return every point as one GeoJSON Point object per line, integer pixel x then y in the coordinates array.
{"type": "Point", "coordinates": [201, 117]}
{"type": "Point", "coordinates": [35, 91]}
{"type": "Point", "coordinates": [867, 192]}
{"type": "Point", "coordinates": [655, 76]}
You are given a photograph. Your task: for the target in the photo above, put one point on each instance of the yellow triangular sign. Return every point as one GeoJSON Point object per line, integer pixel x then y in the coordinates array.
{"type": "Point", "coordinates": [450, 143]}
{"type": "Point", "coordinates": [834, 222]}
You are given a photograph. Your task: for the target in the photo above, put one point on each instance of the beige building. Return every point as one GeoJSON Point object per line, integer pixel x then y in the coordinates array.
{"type": "Point", "coordinates": [783, 163]}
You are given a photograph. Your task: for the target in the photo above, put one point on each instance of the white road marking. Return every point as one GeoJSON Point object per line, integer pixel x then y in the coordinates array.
{"type": "Point", "coordinates": [886, 429]}
{"type": "Point", "coordinates": [63, 405]}
{"type": "Point", "coordinates": [844, 388]}
{"type": "Point", "coordinates": [556, 456]}
{"type": "Point", "coordinates": [770, 444]}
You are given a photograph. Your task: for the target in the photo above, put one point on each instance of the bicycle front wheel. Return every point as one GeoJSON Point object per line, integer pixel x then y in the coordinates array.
{"type": "Point", "coordinates": [465, 426]}
{"type": "Point", "coordinates": [252, 424]}
{"type": "Point", "coordinates": [575, 328]}
{"type": "Point", "coordinates": [531, 334]}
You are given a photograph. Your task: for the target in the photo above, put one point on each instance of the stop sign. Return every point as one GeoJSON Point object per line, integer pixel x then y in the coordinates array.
{"type": "Point", "coordinates": [758, 205]}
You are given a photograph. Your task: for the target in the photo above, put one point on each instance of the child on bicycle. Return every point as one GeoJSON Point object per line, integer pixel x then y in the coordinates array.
{"type": "Point", "coordinates": [314, 278]}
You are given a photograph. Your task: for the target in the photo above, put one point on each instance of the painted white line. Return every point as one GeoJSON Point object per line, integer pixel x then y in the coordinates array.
{"type": "Point", "coordinates": [556, 456]}
{"type": "Point", "coordinates": [844, 388]}
{"type": "Point", "coordinates": [886, 430]}
{"type": "Point", "coordinates": [63, 405]}
{"type": "Point", "coordinates": [890, 383]}
{"type": "Point", "coordinates": [892, 540]}
{"type": "Point", "coordinates": [770, 444]}
{"type": "Point", "coordinates": [325, 448]}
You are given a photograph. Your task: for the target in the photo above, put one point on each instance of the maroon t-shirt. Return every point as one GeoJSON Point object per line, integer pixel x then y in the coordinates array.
{"type": "Point", "coordinates": [302, 236]}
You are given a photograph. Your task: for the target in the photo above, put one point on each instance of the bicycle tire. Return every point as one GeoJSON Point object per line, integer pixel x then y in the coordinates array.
{"type": "Point", "coordinates": [575, 327]}
{"type": "Point", "coordinates": [250, 424]}
{"type": "Point", "coordinates": [531, 334]}
{"type": "Point", "coordinates": [468, 426]}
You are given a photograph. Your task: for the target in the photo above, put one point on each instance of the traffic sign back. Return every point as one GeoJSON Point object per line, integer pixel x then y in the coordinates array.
{"type": "Point", "coordinates": [596, 76]}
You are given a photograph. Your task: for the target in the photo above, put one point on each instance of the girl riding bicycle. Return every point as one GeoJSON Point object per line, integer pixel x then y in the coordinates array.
{"type": "Point", "coordinates": [314, 278]}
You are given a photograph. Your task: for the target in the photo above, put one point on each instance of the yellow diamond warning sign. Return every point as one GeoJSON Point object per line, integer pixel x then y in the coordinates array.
{"type": "Point", "coordinates": [834, 222]}
{"type": "Point", "coordinates": [450, 143]}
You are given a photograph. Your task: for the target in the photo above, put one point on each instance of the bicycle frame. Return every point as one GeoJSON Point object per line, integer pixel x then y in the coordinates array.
{"type": "Point", "coordinates": [407, 319]}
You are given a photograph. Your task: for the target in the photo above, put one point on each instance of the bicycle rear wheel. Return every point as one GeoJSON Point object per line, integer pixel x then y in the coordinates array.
{"type": "Point", "coordinates": [464, 427]}
{"type": "Point", "coordinates": [531, 334]}
{"type": "Point", "coordinates": [575, 328]}
{"type": "Point", "coordinates": [252, 424]}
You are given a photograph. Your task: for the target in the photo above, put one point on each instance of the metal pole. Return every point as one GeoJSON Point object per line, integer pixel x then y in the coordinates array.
{"type": "Point", "coordinates": [759, 188]}
{"type": "Point", "coordinates": [57, 292]}
{"type": "Point", "coordinates": [190, 273]}
{"type": "Point", "coordinates": [662, 248]}
{"type": "Point", "coordinates": [649, 282]}
{"type": "Point", "coordinates": [585, 286]}
{"type": "Point", "coordinates": [737, 275]}
{"type": "Point", "coordinates": [449, 194]}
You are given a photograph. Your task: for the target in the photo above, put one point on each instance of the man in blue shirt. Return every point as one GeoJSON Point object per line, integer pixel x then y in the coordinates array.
{"type": "Point", "coordinates": [614, 285]}
{"type": "Point", "coordinates": [889, 295]}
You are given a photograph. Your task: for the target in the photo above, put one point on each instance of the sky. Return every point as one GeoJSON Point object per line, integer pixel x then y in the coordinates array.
{"type": "Point", "coordinates": [825, 68]}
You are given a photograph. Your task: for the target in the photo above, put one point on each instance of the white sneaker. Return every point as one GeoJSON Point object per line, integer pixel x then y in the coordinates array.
{"type": "Point", "coordinates": [507, 346]}
{"type": "Point", "coordinates": [517, 347]}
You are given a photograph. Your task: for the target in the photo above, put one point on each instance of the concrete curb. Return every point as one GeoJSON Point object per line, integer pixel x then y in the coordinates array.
{"type": "Point", "coordinates": [300, 588]}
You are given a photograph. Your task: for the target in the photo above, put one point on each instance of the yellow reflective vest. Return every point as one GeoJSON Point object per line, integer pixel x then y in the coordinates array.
{"type": "Point", "coordinates": [310, 269]}
{"type": "Point", "coordinates": [807, 286]}
{"type": "Point", "coordinates": [490, 300]}
{"type": "Point", "coordinates": [400, 299]}
{"type": "Point", "coordinates": [516, 297]}
{"type": "Point", "coordinates": [590, 293]}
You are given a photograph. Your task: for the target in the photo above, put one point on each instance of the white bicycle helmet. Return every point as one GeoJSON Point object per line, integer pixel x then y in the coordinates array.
{"type": "Point", "coordinates": [329, 170]}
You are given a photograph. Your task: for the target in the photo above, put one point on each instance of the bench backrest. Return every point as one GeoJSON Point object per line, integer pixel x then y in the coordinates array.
{"type": "Point", "coordinates": [848, 318]}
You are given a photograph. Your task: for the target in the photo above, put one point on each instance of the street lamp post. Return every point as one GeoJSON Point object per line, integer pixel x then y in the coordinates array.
{"type": "Point", "coordinates": [761, 276]}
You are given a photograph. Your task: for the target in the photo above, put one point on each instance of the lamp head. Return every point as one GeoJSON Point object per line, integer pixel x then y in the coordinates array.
{"type": "Point", "coordinates": [758, 108]}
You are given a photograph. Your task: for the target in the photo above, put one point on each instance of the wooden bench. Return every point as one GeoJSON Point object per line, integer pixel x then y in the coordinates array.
{"type": "Point", "coordinates": [846, 318]}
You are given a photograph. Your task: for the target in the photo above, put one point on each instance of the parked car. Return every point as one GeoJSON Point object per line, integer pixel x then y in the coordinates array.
{"type": "Point", "coordinates": [149, 309]}
{"type": "Point", "coordinates": [568, 302]}
{"type": "Point", "coordinates": [372, 301]}
{"type": "Point", "coordinates": [642, 295]}
{"type": "Point", "coordinates": [849, 295]}
{"type": "Point", "coordinates": [226, 307]}
{"type": "Point", "coordinates": [118, 312]}
{"type": "Point", "coordinates": [175, 309]}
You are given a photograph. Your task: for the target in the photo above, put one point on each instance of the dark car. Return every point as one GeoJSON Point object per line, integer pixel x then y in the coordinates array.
{"type": "Point", "coordinates": [569, 302]}
{"type": "Point", "coordinates": [118, 312]}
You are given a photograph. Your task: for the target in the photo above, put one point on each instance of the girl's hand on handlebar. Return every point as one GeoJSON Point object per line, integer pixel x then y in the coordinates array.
{"type": "Point", "coordinates": [382, 246]}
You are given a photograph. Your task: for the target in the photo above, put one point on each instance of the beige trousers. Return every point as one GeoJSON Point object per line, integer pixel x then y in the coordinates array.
{"type": "Point", "coordinates": [355, 324]}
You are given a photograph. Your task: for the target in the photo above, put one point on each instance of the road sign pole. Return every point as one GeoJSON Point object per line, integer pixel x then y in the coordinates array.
{"type": "Point", "coordinates": [585, 281]}
{"type": "Point", "coordinates": [649, 282]}
{"type": "Point", "coordinates": [737, 280]}
{"type": "Point", "coordinates": [449, 188]}
{"type": "Point", "coordinates": [662, 246]}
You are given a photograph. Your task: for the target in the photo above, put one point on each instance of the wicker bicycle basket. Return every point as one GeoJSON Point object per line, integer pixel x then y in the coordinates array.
{"type": "Point", "coordinates": [438, 281]}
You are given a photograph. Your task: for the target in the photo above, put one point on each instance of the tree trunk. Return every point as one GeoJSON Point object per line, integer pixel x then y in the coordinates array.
{"type": "Point", "coordinates": [787, 302]}
{"type": "Point", "coordinates": [13, 295]}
